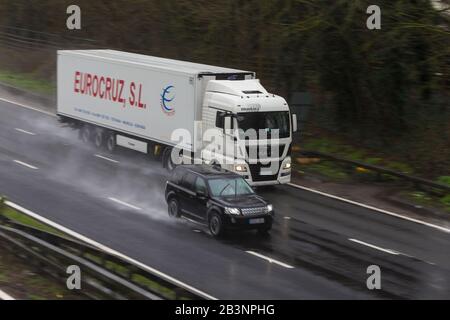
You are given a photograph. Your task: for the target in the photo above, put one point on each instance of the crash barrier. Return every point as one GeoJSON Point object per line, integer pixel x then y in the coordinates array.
{"type": "Point", "coordinates": [104, 275]}
{"type": "Point", "coordinates": [419, 183]}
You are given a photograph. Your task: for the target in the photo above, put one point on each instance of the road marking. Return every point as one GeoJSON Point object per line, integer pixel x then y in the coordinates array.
{"type": "Point", "coordinates": [287, 218]}
{"type": "Point", "coordinates": [28, 107]}
{"type": "Point", "coordinates": [389, 251]}
{"type": "Point", "coordinates": [105, 158]}
{"type": "Point", "coordinates": [124, 203]}
{"type": "Point", "coordinates": [5, 296]}
{"type": "Point", "coordinates": [107, 249]}
{"type": "Point", "coordinates": [26, 164]}
{"type": "Point", "coordinates": [374, 246]}
{"type": "Point", "coordinates": [447, 230]}
{"type": "Point", "coordinates": [270, 259]}
{"type": "Point", "coordinates": [24, 131]}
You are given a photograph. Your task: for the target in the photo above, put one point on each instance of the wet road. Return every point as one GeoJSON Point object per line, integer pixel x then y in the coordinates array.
{"type": "Point", "coordinates": [320, 247]}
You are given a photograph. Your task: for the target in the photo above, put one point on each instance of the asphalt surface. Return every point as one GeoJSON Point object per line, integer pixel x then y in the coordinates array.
{"type": "Point", "coordinates": [321, 246]}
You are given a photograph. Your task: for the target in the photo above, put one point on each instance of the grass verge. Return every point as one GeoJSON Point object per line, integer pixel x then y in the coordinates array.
{"type": "Point", "coordinates": [27, 82]}
{"type": "Point", "coordinates": [343, 173]}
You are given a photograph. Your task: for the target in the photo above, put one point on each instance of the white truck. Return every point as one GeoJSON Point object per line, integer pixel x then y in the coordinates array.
{"type": "Point", "coordinates": [177, 111]}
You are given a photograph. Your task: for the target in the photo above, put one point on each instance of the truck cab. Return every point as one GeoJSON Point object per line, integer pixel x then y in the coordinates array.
{"type": "Point", "coordinates": [249, 130]}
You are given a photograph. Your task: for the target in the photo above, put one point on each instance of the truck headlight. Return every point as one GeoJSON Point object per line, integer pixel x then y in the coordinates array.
{"type": "Point", "coordinates": [269, 208]}
{"type": "Point", "coordinates": [240, 168]}
{"type": "Point", "coordinates": [287, 165]}
{"type": "Point", "coordinates": [233, 211]}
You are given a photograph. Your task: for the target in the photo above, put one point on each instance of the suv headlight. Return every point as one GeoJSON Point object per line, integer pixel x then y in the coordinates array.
{"type": "Point", "coordinates": [269, 208]}
{"type": "Point", "coordinates": [240, 168]}
{"type": "Point", "coordinates": [287, 165]}
{"type": "Point", "coordinates": [233, 211]}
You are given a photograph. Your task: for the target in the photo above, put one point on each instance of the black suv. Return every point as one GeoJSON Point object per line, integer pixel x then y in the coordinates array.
{"type": "Point", "coordinates": [216, 198]}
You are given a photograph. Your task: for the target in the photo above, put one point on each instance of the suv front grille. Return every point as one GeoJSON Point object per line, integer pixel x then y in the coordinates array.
{"type": "Point", "coordinates": [254, 211]}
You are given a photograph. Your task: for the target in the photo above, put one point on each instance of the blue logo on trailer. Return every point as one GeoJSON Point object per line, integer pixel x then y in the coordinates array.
{"type": "Point", "coordinates": [166, 100]}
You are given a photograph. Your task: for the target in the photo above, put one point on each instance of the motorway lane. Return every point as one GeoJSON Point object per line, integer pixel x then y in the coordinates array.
{"type": "Point", "coordinates": [72, 187]}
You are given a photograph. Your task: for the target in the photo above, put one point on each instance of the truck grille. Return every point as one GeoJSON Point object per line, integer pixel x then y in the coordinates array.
{"type": "Point", "coordinates": [254, 211]}
{"type": "Point", "coordinates": [255, 170]}
{"type": "Point", "coordinates": [258, 151]}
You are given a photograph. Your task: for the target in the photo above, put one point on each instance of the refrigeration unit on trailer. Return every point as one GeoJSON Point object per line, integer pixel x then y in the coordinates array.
{"type": "Point", "coordinates": [166, 107]}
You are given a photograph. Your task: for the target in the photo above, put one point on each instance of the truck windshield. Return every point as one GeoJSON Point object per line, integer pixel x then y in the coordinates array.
{"type": "Point", "coordinates": [266, 121]}
{"type": "Point", "coordinates": [229, 187]}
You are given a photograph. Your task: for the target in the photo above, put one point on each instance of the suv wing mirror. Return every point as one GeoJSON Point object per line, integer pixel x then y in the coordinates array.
{"type": "Point", "coordinates": [201, 194]}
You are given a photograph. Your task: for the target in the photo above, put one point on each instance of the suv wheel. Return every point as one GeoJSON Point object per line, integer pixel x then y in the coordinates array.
{"type": "Point", "coordinates": [216, 225]}
{"type": "Point", "coordinates": [174, 208]}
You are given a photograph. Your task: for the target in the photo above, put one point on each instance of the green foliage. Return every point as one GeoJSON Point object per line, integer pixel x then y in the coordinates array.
{"type": "Point", "coordinates": [385, 89]}
{"type": "Point", "coordinates": [444, 180]}
{"type": "Point", "coordinates": [328, 170]}
{"type": "Point", "coordinates": [446, 201]}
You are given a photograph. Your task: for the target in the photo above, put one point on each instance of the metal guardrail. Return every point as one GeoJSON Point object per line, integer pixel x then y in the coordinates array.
{"type": "Point", "coordinates": [104, 275]}
{"type": "Point", "coordinates": [418, 182]}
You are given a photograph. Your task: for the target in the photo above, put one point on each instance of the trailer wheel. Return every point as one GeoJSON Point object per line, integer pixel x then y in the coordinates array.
{"type": "Point", "coordinates": [111, 142]}
{"type": "Point", "coordinates": [98, 138]}
{"type": "Point", "coordinates": [85, 134]}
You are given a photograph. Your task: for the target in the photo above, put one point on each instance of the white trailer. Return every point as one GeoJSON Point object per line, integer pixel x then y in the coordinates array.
{"type": "Point", "coordinates": [142, 103]}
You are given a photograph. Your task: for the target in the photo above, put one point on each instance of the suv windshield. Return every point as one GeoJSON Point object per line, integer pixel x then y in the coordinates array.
{"type": "Point", "coordinates": [229, 187]}
{"type": "Point", "coordinates": [267, 121]}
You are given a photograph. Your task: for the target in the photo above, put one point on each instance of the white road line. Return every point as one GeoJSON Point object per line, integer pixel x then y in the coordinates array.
{"type": "Point", "coordinates": [107, 249]}
{"type": "Point", "coordinates": [5, 296]}
{"type": "Point", "coordinates": [24, 131]}
{"type": "Point", "coordinates": [375, 247]}
{"type": "Point", "coordinates": [270, 259]}
{"type": "Point", "coordinates": [26, 164]}
{"type": "Point", "coordinates": [28, 107]}
{"type": "Point", "coordinates": [447, 230]}
{"type": "Point", "coordinates": [287, 218]}
{"type": "Point", "coordinates": [124, 203]}
{"type": "Point", "coordinates": [105, 158]}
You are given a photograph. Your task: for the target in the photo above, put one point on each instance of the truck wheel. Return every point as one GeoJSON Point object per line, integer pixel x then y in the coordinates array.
{"type": "Point", "coordinates": [98, 138]}
{"type": "Point", "coordinates": [215, 225]}
{"type": "Point", "coordinates": [167, 160]}
{"type": "Point", "coordinates": [173, 208]}
{"type": "Point", "coordinates": [85, 134]}
{"type": "Point", "coordinates": [111, 142]}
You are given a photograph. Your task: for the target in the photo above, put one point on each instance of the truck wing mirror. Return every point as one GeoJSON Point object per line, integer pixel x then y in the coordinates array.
{"type": "Point", "coordinates": [294, 123]}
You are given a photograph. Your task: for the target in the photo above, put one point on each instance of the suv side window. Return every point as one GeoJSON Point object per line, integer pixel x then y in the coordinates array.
{"type": "Point", "coordinates": [177, 175]}
{"type": "Point", "coordinates": [200, 186]}
{"type": "Point", "coordinates": [189, 181]}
